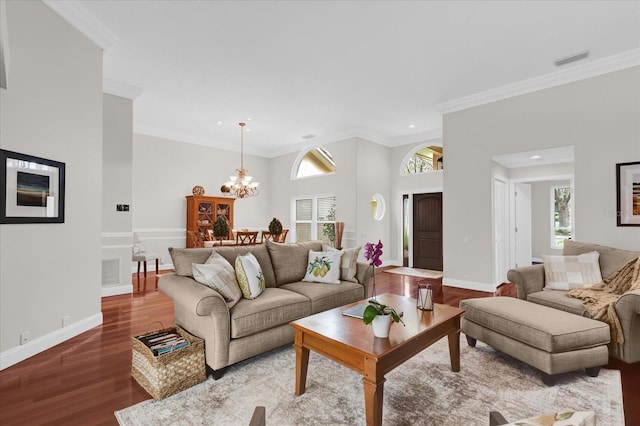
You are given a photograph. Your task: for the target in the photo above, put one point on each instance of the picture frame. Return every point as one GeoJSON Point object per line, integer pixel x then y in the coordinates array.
{"type": "Point", "coordinates": [628, 194]}
{"type": "Point", "coordinates": [33, 189]}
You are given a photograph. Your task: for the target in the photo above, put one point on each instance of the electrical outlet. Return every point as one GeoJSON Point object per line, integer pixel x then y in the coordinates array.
{"type": "Point", "coordinates": [25, 336]}
{"type": "Point", "coordinates": [66, 320]}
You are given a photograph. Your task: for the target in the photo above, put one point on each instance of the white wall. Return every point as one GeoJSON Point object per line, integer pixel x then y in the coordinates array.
{"type": "Point", "coordinates": [541, 217]}
{"type": "Point", "coordinates": [165, 171]}
{"type": "Point", "coordinates": [117, 188]}
{"type": "Point", "coordinates": [599, 116]}
{"type": "Point", "coordinates": [52, 108]}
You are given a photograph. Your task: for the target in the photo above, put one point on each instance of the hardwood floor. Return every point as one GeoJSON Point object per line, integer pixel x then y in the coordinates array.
{"type": "Point", "coordinates": [85, 379]}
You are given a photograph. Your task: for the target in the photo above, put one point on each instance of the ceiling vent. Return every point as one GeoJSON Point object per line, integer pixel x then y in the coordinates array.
{"type": "Point", "coordinates": [577, 57]}
{"type": "Point", "coordinates": [309, 136]}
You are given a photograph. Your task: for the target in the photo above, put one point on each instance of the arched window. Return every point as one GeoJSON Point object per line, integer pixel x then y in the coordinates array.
{"type": "Point", "coordinates": [423, 160]}
{"type": "Point", "coordinates": [316, 161]}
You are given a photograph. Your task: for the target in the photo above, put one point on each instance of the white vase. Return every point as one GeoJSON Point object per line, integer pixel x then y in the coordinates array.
{"type": "Point", "coordinates": [381, 325]}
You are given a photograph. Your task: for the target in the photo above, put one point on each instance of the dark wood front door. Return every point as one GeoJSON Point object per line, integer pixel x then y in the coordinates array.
{"type": "Point", "coordinates": [427, 231]}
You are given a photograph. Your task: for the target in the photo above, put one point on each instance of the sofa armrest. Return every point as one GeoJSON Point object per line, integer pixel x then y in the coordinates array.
{"type": "Point", "coordinates": [203, 312]}
{"type": "Point", "coordinates": [628, 310]}
{"type": "Point", "coordinates": [528, 279]}
{"type": "Point", "coordinates": [192, 296]}
{"type": "Point", "coordinates": [364, 272]}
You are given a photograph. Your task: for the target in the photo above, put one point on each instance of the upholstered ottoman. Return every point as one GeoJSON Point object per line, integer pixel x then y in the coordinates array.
{"type": "Point", "coordinates": [548, 339]}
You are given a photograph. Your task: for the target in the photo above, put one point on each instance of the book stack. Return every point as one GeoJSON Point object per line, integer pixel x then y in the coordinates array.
{"type": "Point", "coordinates": [163, 342]}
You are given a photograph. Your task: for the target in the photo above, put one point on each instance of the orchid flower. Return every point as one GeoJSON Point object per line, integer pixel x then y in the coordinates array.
{"type": "Point", "coordinates": [372, 253]}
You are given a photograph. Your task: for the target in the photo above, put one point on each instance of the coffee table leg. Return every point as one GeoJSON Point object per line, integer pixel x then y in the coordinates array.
{"type": "Point", "coordinates": [373, 394]}
{"type": "Point", "coordinates": [454, 350]}
{"type": "Point", "coordinates": [302, 362]}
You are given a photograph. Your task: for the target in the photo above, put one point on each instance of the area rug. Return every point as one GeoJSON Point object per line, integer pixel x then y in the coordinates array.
{"type": "Point", "coordinates": [415, 272]}
{"type": "Point", "coordinates": [423, 391]}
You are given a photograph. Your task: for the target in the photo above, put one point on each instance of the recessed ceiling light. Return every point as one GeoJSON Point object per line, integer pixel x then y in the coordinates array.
{"type": "Point", "coordinates": [248, 130]}
{"type": "Point", "coordinates": [219, 123]}
{"type": "Point", "coordinates": [535, 157]}
{"type": "Point", "coordinates": [309, 136]}
{"type": "Point", "coordinates": [248, 119]}
{"type": "Point", "coordinates": [412, 126]}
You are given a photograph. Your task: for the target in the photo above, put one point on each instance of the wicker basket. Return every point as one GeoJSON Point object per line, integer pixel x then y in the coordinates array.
{"type": "Point", "coordinates": [169, 373]}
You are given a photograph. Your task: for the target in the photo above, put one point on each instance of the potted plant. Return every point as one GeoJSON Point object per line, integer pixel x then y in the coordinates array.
{"type": "Point", "coordinates": [380, 317]}
{"type": "Point", "coordinates": [275, 227]}
{"type": "Point", "coordinates": [220, 228]}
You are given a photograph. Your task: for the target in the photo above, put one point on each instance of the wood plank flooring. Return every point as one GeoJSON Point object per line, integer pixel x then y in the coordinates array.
{"type": "Point", "coordinates": [85, 379]}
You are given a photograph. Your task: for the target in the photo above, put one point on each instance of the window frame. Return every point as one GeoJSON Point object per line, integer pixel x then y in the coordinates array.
{"type": "Point", "coordinates": [314, 222]}
{"type": "Point", "coordinates": [552, 210]}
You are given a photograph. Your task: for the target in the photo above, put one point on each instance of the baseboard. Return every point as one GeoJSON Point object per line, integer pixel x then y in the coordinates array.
{"type": "Point", "coordinates": [469, 285]}
{"type": "Point", "coordinates": [151, 267]}
{"type": "Point", "coordinates": [114, 290]}
{"type": "Point", "coordinates": [41, 344]}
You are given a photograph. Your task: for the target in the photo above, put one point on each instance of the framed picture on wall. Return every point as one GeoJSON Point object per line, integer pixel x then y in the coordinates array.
{"type": "Point", "coordinates": [628, 193]}
{"type": "Point", "coordinates": [32, 190]}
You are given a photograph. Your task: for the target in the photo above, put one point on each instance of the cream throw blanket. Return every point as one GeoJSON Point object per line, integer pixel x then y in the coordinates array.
{"type": "Point", "coordinates": [599, 300]}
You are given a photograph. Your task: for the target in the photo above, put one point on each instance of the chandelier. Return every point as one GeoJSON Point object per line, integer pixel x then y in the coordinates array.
{"type": "Point", "coordinates": [241, 185]}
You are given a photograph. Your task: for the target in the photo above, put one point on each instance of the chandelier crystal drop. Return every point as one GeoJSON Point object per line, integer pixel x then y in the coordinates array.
{"type": "Point", "coordinates": [241, 186]}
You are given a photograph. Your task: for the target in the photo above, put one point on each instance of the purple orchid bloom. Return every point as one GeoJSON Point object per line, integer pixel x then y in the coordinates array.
{"type": "Point", "coordinates": [372, 253]}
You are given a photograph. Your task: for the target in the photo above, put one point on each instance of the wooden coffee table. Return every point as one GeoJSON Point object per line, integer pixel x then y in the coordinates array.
{"type": "Point", "coordinates": [350, 342]}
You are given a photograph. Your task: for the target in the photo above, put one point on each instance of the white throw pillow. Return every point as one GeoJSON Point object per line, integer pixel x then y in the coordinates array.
{"type": "Point", "coordinates": [218, 274]}
{"type": "Point", "coordinates": [348, 262]}
{"type": "Point", "coordinates": [250, 276]}
{"type": "Point", "coordinates": [569, 272]}
{"type": "Point", "coordinates": [323, 267]}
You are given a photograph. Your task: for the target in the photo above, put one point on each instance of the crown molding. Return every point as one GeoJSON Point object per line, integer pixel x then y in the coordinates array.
{"type": "Point", "coordinates": [594, 68]}
{"type": "Point", "coordinates": [420, 137]}
{"type": "Point", "coordinates": [123, 90]}
{"type": "Point", "coordinates": [79, 17]}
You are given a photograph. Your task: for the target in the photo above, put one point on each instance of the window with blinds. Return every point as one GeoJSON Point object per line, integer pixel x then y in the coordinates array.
{"type": "Point", "coordinates": [314, 217]}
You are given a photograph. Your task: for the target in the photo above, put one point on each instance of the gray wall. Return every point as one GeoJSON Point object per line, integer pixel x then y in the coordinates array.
{"type": "Point", "coordinates": [165, 171]}
{"type": "Point", "coordinates": [52, 108]}
{"type": "Point", "coordinates": [599, 116]}
{"type": "Point", "coordinates": [117, 188]}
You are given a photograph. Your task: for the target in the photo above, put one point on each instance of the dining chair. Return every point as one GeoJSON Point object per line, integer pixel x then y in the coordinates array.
{"type": "Point", "coordinates": [195, 238]}
{"type": "Point", "coordinates": [140, 254]}
{"type": "Point", "coordinates": [244, 238]}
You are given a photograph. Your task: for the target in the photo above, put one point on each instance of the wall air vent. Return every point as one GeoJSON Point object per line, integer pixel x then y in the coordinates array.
{"type": "Point", "coordinates": [567, 60]}
{"type": "Point", "coordinates": [110, 271]}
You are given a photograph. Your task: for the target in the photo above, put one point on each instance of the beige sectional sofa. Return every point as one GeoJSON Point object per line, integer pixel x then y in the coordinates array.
{"type": "Point", "coordinates": [254, 326]}
{"type": "Point", "coordinates": [530, 282]}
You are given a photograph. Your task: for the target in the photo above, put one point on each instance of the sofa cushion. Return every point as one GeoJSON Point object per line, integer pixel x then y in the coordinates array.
{"type": "Point", "coordinates": [183, 258]}
{"type": "Point", "coordinates": [323, 267]}
{"type": "Point", "coordinates": [348, 262]}
{"type": "Point", "coordinates": [327, 296]}
{"type": "Point", "coordinates": [611, 259]}
{"type": "Point", "coordinates": [289, 260]}
{"type": "Point", "coordinates": [558, 299]}
{"type": "Point", "coordinates": [249, 275]}
{"type": "Point", "coordinates": [274, 307]}
{"type": "Point", "coordinates": [218, 274]}
{"type": "Point", "coordinates": [539, 326]}
{"type": "Point", "coordinates": [259, 251]}
{"type": "Point", "coordinates": [569, 272]}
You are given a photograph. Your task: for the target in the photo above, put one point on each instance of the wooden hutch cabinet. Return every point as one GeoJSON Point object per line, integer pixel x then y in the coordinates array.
{"type": "Point", "coordinates": [202, 212]}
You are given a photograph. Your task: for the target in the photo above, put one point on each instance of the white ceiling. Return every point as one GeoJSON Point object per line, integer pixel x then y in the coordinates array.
{"type": "Point", "coordinates": [337, 69]}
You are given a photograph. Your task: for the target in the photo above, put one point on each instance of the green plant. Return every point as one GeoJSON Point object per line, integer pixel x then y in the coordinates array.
{"type": "Point", "coordinates": [220, 228]}
{"type": "Point", "coordinates": [329, 229]}
{"type": "Point", "coordinates": [275, 227]}
{"type": "Point", "coordinates": [375, 308]}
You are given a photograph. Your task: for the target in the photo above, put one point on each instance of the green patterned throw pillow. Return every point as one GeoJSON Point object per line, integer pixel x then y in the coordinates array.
{"type": "Point", "coordinates": [249, 275]}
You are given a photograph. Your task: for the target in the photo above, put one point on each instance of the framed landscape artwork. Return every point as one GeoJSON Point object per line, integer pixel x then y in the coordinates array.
{"type": "Point", "coordinates": [628, 193]}
{"type": "Point", "coordinates": [32, 190]}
